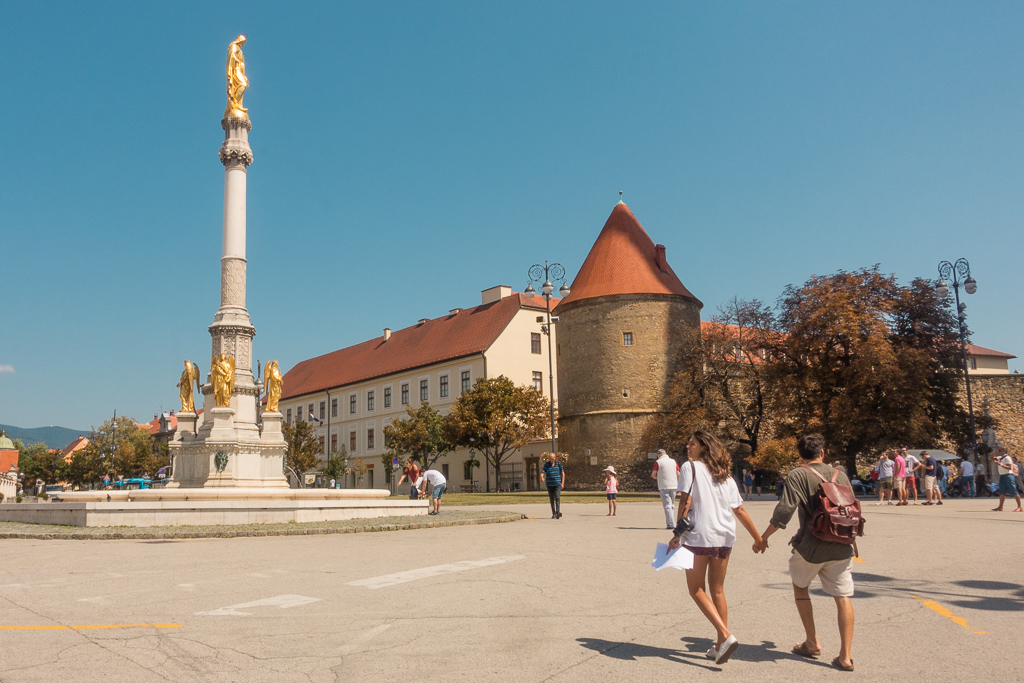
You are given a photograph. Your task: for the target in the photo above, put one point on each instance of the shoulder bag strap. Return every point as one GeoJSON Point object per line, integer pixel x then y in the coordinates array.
{"type": "Point", "coordinates": [818, 474]}
{"type": "Point", "coordinates": [689, 491]}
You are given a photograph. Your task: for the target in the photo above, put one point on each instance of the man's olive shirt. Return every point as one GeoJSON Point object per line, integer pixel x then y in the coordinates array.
{"type": "Point", "coordinates": [800, 494]}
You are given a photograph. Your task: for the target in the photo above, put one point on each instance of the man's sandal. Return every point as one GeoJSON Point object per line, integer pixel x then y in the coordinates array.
{"type": "Point", "coordinates": [842, 667]}
{"type": "Point", "coordinates": [805, 651]}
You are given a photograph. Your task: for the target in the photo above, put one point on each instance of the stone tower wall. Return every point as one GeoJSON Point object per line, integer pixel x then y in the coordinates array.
{"type": "Point", "coordinates": [1005, 394]}
{"type": "Point", "coordinates": [608, 392]}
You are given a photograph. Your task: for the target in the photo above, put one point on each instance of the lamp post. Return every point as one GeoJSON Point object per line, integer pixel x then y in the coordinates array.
{"type": "Point", "coordinates": [959, 274]}
{"type": "Point", "coordinates": [549, 272]}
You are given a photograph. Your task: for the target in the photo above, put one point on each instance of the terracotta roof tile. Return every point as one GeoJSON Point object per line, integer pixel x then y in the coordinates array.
{"type": "Point", "coordinates": [79, 443]}
{"type": "Point", "coordinates": [465, 333]}
{"type": "Point", "coordinates": [975, 350]}
{"type": "Point", "coordinates": [625, 260]}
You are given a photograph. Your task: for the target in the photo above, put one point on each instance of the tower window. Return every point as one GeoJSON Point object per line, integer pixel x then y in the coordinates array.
{"type": "Point", "coordinates": [535, 342]}
{"type": "Point", "coordinates": [627, 338]}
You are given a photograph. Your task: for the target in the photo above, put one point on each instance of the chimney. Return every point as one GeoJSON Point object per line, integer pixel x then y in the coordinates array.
{"type": "Point", "coordinates": [422, 320]}
{"type": "Point", "coordinates": [387, 333]}
{"type": "Point", "coordinates": [659, 257]}
{"type": "Point", "coordinates": [489, 296]}
{"type": "Point", "coordinates": [455, 311]}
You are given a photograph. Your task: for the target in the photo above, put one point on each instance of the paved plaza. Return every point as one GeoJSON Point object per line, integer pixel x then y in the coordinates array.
{"type": "Point", "coordinates": [940, 596]}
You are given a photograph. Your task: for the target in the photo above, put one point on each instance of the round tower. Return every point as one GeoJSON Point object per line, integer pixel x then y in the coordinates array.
{"type": "Point", "coordinates": [621, 332]}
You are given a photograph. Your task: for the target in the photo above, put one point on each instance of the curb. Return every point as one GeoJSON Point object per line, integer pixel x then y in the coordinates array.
{"type": "Point", "coordinates": [251, 532]}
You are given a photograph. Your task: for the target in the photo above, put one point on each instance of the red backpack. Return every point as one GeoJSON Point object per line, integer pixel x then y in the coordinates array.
{"type": "Point", "coordinates": [836, 516]}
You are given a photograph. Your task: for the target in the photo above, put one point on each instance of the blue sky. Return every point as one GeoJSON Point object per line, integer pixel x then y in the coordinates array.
{"type": "Point", "coordinates": [408, 155]}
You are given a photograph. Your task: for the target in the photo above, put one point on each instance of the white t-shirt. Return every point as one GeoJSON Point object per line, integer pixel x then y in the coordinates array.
{"type": "Point", "coordinates": [911, 464]}
{"type": "Point", "coordinates": [967, 468]}
{"type": "Point", "coordinates": [668, 477]}
{"type": "Point", "coordinates": [434, 477]}
{"type": "Point", "coordinates": [1005, 465]}
{"type": "Point", "coordinates": [711, 509]}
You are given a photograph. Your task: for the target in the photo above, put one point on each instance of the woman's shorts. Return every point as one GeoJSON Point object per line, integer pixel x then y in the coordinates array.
{"type": "Point", "coordinates": [612, 496]}
{"type": "Point", "coordinates": [721, 553]}
{"type": "Point", "coordinates": [1007, 485]}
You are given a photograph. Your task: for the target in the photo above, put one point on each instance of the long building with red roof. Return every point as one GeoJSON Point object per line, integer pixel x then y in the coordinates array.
{"type": "Point", "coordinates": [351, 394]}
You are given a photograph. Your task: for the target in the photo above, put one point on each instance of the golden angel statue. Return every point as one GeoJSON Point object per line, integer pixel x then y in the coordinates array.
{"type": "Point", "coordinates": [274, 382]}
{"type": "Point", "coordinates": [237, 82]}
{"type": "Point", "coordinates": [222, 368]}
{"type": "Point", "coordinates": [189, 376]}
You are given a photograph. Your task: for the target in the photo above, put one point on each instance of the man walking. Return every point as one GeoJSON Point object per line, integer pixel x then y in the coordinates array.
{"type": "Point", "coordinates": [439, 484]}
{"type": "Point", "coordinates": [885, 472]}
{"type": "Point", "coordinates": [813, 557]}
{"type": "Point", "coordinates": [1007, 480]}
{"type": "Point", "coordinates": [553, 476]}
{"type": "Point", "coordinates": [932, 471]}
{"type": "Point", "coordinates": [666, 473]}
{"type": "Point", "coordinates": [967, 477]}
{"type": "Point", "coordinates": [899, 480]}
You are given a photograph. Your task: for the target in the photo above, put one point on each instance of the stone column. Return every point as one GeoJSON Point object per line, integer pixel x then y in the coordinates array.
{"type": "Point", "coordinates": [232, 330]}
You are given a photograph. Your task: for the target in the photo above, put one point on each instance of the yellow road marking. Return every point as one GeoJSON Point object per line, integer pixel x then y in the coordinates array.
{"type": "Point", "coordinates": [939, 609]}
{"type": "Point", "coordinates": [85, 628]}
{"type": "Point", "coordinates": [859, 559]}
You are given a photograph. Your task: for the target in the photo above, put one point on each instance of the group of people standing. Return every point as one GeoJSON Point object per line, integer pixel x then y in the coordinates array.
{"type": "Point", "coordinates": [897, 473]}
{"type": "Point", "coordinates": [418, 480]}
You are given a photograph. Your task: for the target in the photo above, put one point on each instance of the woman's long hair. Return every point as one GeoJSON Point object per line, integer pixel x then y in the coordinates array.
{"type": "Point", "coordinates": [714, 456]}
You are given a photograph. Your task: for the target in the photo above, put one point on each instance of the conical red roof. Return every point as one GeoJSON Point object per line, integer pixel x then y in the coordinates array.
{"type": "Point", "coordinates": [625, 260]}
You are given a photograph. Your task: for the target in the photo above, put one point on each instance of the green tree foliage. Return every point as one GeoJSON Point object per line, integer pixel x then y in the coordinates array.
{"type": "Point", "coordinates": [303, 454]}
{"type": "Point", "coordinates": [866, 363]}
{"type": "Point", "coordinates": [337, 464]}
{"type": "Point", "coordinates": [420, 436]}
{"type": "Point", "coordinates": [85, 467]}
{"type": "Point", "coordinates": [496, 418]}
{"type": "Point", "coordinates": [775, 456]}
{"type": "Point", "coordinates": [39, 462]}
{"type": "Point", "coordinates": [118, 447]}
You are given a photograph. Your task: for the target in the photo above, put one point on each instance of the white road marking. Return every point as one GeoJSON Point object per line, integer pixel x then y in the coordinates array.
{"type": "Point", "coordinates": [425, 572]}
{"type": "Point", "coordinates": [282, 601]}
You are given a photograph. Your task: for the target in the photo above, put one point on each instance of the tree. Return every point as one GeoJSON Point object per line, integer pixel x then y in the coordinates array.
{"type": "Point", "coordinates": [85, 467]}
{"type": "Point", "coordinates": [303, 452]}
{"type": "Point", "coordinates": [777, 456]}
{"type": "Point", "coordinates": [337, 464]}
{"type": "Point", "coordinates": [120, 446]}
{"type": "Point", "coordinates": [421, 436]}
{"type": "Point", "coordinates": [37, 462]}
{"type": "Point", "coordinates": [862, 360]}
{"type": "Point", "coordinates": [497, 418]}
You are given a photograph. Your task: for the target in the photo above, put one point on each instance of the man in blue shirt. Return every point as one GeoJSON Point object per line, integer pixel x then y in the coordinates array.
{"type": "Point", "coordinates": [553, 476]}
{"type": "Point", "coordinates": [932, 472]}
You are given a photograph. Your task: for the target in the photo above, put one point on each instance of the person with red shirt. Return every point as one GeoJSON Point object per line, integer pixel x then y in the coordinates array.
{"type": "Point", "coordinates": [411, 472]}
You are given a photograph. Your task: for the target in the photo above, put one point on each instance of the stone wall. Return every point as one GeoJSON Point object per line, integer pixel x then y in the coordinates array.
{"type": "Point", "coordinates": [1005, 394]}
{"type": "Point", "coordinates": [609, 392]}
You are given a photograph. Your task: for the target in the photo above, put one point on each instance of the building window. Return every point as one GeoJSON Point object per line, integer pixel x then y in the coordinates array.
{"type": "Point", "coordinates": [465, 381]}
{"type": "Point", "coordinates": [627, 338]}
{"type": "Point", "coordinates": [310, 413]}
{"type": "Point", "coordinates": [405, 394]}
{"type": "Point", "coordinates": [298, 414]}
{"type": "Point", "coordinates": [334, 407]}
{"type": "Point", "coordinates": [370, 400]}
{"type": "Point", "coordinates": [387, 397]}
{"type": "Point", "coordinates": [424, 390]}
{"type": "Point", "coordinates": [443, 388]}
{"type": "Point", "coordinates": [321, 440]}
{"type": "Point", "coordinates": [973, 362]}
{"type": "Point", "coordinates": [444, 470]}
{"type": "Point", "coordinates": [467, 470]}
{"type": "Point", "coordinates": [351, 442]}
{"type": "Point", "coordinates": [334, 443]}
{"type": "Point", "coordinates": [288, 416]}
{"type": "Point", "coordinates": [535, 342]}
{"type": "Point", "coordinates": [352, 404]}
{"type": "Point", "coordinates": [538, 382]}
{"type": "Point", "coordinates": [369, 439]}
{"type": "Point", "coordinates": [323, 410]}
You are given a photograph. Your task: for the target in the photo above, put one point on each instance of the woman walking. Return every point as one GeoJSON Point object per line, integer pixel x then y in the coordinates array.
{"type": "Point", "coordinates": [711, 501]}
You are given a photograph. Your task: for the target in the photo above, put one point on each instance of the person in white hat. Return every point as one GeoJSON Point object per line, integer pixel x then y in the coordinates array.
{"type": "Point", "coordinates": [611, 487]}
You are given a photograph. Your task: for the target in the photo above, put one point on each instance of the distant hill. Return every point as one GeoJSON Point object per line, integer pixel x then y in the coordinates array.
{"type": "Point", "coordinates": [53, 437]}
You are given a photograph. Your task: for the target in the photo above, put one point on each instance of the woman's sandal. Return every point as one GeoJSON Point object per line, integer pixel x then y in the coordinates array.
{"type": "Point", "coordinates": [805, 651]}
{"type": "Point", "coordinates": [842, 667]}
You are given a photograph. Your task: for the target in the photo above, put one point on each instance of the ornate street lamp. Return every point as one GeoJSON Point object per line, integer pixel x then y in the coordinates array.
{"type": "Point", "coordinates": [959, 274]}
{"type": "Point", "coordinates": [548, 272]}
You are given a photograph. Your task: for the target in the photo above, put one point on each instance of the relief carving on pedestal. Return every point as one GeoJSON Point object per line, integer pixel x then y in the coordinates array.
{"type": "Point", "coordinates": [232, 282]}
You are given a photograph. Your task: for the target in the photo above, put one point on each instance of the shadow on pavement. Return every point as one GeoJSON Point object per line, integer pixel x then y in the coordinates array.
{"type": "Point", "coordinates": [765, 652]}
{"type": "Point", "coordinates": [634, 651]}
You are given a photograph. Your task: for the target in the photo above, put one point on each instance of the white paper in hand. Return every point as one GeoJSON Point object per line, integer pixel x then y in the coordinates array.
{"type": "Point", "coordinates": [680, 558]}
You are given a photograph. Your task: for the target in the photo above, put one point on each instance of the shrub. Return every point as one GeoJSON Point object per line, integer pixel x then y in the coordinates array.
{"type": "Point", "coordinates": [42, 495]}
{"type": "Point", "coordinates": [18, 499]}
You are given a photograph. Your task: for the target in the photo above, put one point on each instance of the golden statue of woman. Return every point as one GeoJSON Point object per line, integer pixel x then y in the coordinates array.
{"type": "Point", "coordinates": [274, 383]}
{"type": "Point", "coordinates": [189, 376]}
{"type": "Point", "coordinates": [222, 369]}
{"type": "Point", "coordinates": [237, 82]}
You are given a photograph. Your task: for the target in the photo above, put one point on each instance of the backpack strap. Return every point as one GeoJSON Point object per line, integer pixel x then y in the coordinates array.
{"type": "Point", "coordinates": [835, 475]}
{"type": "Point", "coordinates": [818, 474]}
